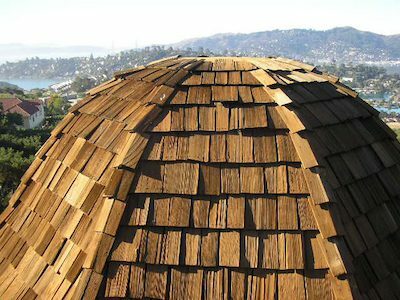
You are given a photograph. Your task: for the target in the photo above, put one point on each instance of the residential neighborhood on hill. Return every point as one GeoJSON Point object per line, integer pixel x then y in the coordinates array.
{"type": "Point", "coordinates": [342, 44]}
{"type": "Point", "coordinates": [338, 45]}
{"type": "Point", "coordinates": [76, 75]}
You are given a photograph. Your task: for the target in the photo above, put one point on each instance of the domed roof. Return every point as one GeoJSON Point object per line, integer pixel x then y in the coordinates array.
{"type": "Point", "coordinates": [209, 178]}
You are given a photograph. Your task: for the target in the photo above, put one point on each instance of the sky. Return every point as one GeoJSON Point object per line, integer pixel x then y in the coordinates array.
{"type": "Point", "coordinates": [123, 24]}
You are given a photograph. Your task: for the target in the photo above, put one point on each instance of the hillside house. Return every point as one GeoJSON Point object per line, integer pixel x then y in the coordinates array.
{"type": "Point", "coordinates": [32, 111]}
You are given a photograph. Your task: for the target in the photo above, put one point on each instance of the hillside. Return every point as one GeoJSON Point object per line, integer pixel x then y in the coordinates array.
{"type": "Point", "coordinates": [6, 85]}
{"type": "Point", "coordinates": [15, 52]}
{"type": "Point", "coordinates": [99, 67]}
{"type": "Point", "coordinates": [343, 44]}
{"type": "Point", "coordinates": [338, 45]}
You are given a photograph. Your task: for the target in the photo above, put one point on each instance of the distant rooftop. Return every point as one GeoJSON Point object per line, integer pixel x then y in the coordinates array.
{"type": "Point", "coordinates": [22, 107]}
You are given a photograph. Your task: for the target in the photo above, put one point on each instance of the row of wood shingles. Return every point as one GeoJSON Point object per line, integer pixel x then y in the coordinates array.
{"type": "Point", "coordinates": [209, 248]}
{"type": "Point", "coordinates": [321, 104]}
{"type": "Point", "coordinates": [140, 281]}
{"type": "Point", "coordinates": [217, 118]}
{"type": "Point", "coordinates": [225, 212]}
{"type": "Point", "coordinates": [222, 93]}
{"type": "Point", "coordinates": [233, 147]}
{"type": "Point", "coordinates": [225, 65]}
{"type": "Point", "coordinates": [221, 78]}
{"type": "Point", "coordinates": [191, 179]}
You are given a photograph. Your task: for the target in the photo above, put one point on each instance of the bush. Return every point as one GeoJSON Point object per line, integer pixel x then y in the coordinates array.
{"type": "Point", "coordinates": [13, 164]}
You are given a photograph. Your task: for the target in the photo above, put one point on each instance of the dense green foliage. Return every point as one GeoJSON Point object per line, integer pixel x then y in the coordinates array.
{"type": "Point", "coordinates": [56, 105]}
{"type": "Point", "coordinates": [6, 92]}
{"type": "Point", "coordinates": [12, 165]}
{"type": "Point", "coordinates": [83, 84]}
{"type": "Point", "coordinates": [10, 119]}
{"type": "Point", "coordinates": [17, 150]}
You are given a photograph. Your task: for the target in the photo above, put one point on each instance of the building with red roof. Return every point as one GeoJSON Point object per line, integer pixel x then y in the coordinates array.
{"type": "Point", "coordinates": [32, 111]}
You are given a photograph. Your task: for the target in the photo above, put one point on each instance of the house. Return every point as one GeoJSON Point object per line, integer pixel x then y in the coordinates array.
{"type": "Point", "coordinates": [32, 111]}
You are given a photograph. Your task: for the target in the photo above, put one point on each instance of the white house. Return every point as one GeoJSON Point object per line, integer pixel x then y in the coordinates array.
{"type": "Point", "coordinates": [32, 111]}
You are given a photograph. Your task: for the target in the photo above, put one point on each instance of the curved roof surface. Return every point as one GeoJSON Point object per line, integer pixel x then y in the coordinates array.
{"type": "Point", "coordinates": [209, 178]}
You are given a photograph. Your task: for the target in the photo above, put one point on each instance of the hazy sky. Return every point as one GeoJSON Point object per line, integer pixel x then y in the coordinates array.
{"type": "Point", "coordinates": [127, 23]}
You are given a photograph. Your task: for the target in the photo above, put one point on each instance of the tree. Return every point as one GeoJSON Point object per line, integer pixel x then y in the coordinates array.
{"type": "Point", "coordinates": [14, 119]}
{"type": "Point", "coordinates": [35, 93]}
{"type": "Point", "coordinates": [82, 84]}
{"type": "Point", "coordinates": [57, 105]}
{"type": "Point", "coordinates": [10, 91]}
{"type": "Point", "coordinates": [12, 165]}
{"type": "Point", "coordinates": [10, 120]}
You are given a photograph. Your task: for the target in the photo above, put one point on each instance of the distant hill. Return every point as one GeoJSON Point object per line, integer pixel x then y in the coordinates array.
{"type": "Point", "coordinates": [338, 45]}
{"type": "Point", "coordinates": [6, 85]}
{"type": "Point", "coordinates": [101, 67]}
{"type": "Point", "coordinates": [343, 44]}
{"type": "Point", "coordinates": [8, 90]}
{"type": "Point", "coordinates": [14, 52]}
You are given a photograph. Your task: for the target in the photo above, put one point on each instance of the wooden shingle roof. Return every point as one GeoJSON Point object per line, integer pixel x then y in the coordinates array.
{"type": "Point", "coordinates": [257, 178]}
